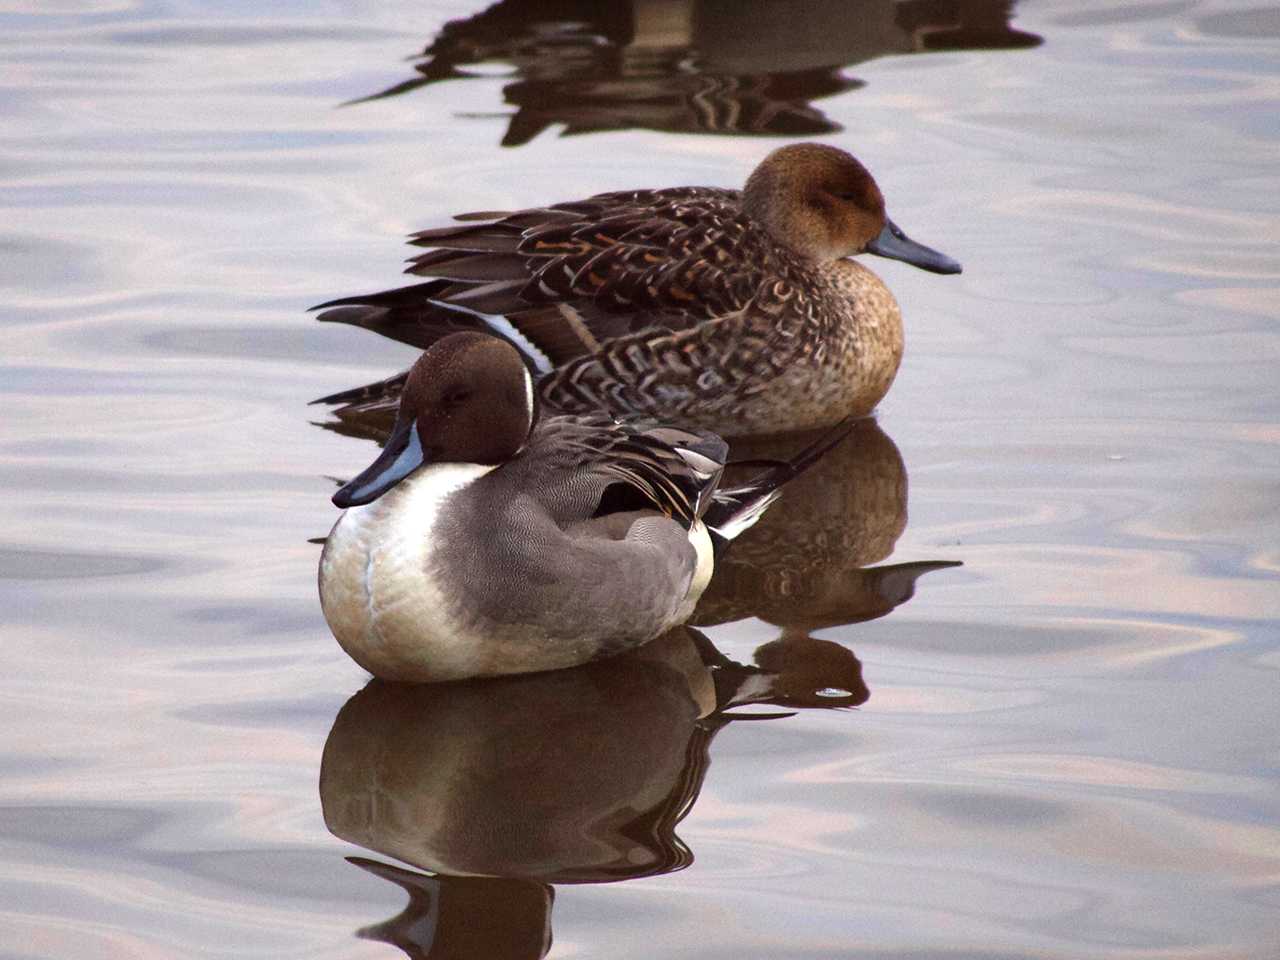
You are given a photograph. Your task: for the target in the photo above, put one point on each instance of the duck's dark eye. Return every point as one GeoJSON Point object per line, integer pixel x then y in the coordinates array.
{"type": "Point", "coordinates": [455, 397]}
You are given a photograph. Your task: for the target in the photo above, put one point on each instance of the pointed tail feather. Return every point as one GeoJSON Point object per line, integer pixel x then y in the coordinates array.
{"type": "Point", "coordinates": [415, 294]}
{"type": "Point", "coordinates": [735, 509]}
{"type": "Point", "coordinates": [422, 313]}
{"type": "Point", "coordinates": [382, 390]}
{"type": "Point", "coordinates": [728, 518]}
{"type": "Point", "coordinates": [412, 314]}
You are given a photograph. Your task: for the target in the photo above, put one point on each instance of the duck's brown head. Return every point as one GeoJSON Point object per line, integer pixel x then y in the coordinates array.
{"type": "Point", "coordinates": [468, 399]}
{"type": "Point", "coordinates": [822, 203]}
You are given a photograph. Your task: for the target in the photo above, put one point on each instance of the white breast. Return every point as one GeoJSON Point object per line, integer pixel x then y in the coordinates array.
{"type": "Point", "coordinates": [700, 539]}
{"type": "Point", "coordinates": [376, 588]}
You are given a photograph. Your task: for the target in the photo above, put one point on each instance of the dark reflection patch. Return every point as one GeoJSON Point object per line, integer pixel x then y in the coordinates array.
{"type": "Point", "coordinates": [1127, 13]}
{"type": "Point", "coordinates": [985, 640]}
{"type": "Point", "coordinates": [77, 827]}
{"type": "Point", "coordinates": [985, 808]}
{"type": "Point", "coordinates": [17, 563]}
{"type": "Point", "coordinates": [1252, 24]}
{"type": "Point", "coordinates": [264, 343]}
{"type": "Point", "coordinates": [34, 264]}
{"type": "Point", "coordinates": [311, 875]}
{"type": "Point", "coordinates": [238, 35]}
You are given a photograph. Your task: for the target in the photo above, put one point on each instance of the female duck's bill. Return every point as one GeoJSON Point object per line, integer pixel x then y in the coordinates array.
{"type": "Point", "coordinates": [892, 243]}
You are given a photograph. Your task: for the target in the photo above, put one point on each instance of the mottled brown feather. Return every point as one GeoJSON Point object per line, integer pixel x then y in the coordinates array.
{"type": "Point", "coordinates": [685, 303]}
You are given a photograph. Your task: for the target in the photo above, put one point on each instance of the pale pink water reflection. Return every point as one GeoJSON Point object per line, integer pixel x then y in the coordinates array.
{"type": "Point", "coordinates": [1069, 748]}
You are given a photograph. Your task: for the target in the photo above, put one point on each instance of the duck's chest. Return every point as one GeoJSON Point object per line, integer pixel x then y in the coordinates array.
{"type": "Point", "coordinates": [379, 583]}
{"type": "Point", "coordinates": [833, 352]}
{"type": "Point", "coordinates": [854, 351]}
{"type": "Point", "coordinates": [862, 322]}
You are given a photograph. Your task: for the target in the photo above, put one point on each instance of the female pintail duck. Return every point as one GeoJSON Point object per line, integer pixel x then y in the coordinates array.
{"type": "Point", "coordinates": [733, 311]}
{"type": "Point", "coordinates": [485, 541]}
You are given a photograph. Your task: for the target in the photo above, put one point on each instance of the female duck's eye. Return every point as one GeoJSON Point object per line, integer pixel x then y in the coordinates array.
{"type": "Point", "coordinates": [455, 397]}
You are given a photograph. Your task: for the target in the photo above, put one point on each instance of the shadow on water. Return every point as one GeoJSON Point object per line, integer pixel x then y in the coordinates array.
{"type": "Point", "coordinates": [695, 66]}
{"type": "Point", "coordinates": [502, 788]}
{"type": "Point", "coordinates": [807, 564]}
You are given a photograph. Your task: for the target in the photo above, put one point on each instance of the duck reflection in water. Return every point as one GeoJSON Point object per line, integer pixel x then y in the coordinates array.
{"type": "Point", "coordinates": [500, 788]}
{"type": "Point", "coordinates": [696, 65]}
{"type": "Point", "coordinates": [458, 918]}
{"type": "Point", "coordinates": [807, 565]}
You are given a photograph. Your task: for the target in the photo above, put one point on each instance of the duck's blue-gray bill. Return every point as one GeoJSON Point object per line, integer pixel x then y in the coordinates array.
{"type": "Point", "coordinates": [896, 245]}
{"type": "Point", "coordinates": [400, 457]}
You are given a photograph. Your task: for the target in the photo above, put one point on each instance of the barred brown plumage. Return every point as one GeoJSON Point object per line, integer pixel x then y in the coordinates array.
{"type": "Point", "coordinates": [731, 310]}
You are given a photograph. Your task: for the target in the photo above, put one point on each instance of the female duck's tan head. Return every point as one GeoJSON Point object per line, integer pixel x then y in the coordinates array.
{"type": "Point", "coordinates": [822, 203]}
{"type": "Point", "coordinates": [468, 399]}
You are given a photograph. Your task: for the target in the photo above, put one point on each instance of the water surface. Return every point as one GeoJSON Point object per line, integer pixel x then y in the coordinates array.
{"type": "Point", "coordinates": [1065, 748]}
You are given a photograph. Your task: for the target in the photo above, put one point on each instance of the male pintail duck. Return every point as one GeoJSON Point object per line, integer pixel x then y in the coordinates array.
{"type": "Point", "coordinates": [726, 310]}
{"type": "Point", "coordinates": [486, 541]}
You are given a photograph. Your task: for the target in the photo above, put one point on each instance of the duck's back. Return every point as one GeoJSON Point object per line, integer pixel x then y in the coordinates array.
{"type": "Point", "coordinates": [539, 589]}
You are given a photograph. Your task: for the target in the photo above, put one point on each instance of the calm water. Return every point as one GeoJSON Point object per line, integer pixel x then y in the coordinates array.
{"type": "Point", "coordinates": [1065, 748]}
